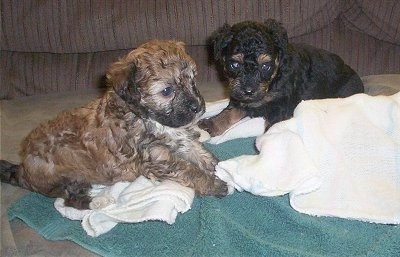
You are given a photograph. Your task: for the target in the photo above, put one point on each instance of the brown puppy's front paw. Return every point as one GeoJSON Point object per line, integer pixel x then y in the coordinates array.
{"type": "Point", "coordinates": [209, 126]}
{"type": "Point", "coordinates": [212, 186]}
{"type": "Point", "coordinates": [220, 188]}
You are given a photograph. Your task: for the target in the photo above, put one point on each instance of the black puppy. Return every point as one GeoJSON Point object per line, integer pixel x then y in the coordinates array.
{"type": "Point", "coordinates": [268, 77]}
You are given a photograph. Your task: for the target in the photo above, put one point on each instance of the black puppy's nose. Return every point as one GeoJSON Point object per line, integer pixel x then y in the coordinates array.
{"type": "Point", "coordinates": [249, 91]}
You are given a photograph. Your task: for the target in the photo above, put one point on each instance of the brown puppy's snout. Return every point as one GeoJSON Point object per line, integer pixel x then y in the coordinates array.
{"type": "Point", "coordinates": [195, 107]}
{"type": "Point", "coordinates": [195, 103]}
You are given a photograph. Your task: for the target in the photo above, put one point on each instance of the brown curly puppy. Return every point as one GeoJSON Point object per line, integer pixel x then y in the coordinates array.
{"type": "Point", "coordinates": [142, 125]}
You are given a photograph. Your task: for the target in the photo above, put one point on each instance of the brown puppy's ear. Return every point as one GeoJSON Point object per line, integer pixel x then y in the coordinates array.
{"type": "Point", "coordinates": [124, 79]}
{"type": "Point", "coordinates": [121, 77]}
{"type": "Point", "coordinates": [125, 84]}
{"type": "Point", "coordinates": [118, 72]}
{"type": "Point", "coordinates": [278, 33]}
{"type": "Point", "coordinates": [180, 45]}
{"type": "Point", "coordinates": [220, 40]}
{"type": "Point", "coordinates": [127, 88]}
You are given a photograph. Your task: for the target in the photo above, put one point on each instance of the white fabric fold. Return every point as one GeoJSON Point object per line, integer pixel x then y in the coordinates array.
{"type": "Point", "coordinates": [335, 157]}
{"type": "Point", "coordinates": [130, 202]}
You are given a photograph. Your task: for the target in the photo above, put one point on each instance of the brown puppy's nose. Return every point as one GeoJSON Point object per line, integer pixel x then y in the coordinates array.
{"type": "Point", "coordinates": [194, 108]}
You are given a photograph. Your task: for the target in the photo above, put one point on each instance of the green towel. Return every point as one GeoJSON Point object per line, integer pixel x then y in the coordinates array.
{"type": "Point", "coordinates": [240, 224]}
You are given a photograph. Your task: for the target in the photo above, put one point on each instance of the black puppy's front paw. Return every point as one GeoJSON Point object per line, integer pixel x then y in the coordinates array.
{"type": "Point", "coordinates": [209, 126]}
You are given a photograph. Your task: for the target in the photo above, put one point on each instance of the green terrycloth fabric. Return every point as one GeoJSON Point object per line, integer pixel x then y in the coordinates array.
{"type": "Point", "coordinates": [237, 225]}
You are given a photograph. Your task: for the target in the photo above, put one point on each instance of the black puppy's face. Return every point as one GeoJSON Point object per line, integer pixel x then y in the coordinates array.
{"type": "Point", "coordinates": [250, 54]}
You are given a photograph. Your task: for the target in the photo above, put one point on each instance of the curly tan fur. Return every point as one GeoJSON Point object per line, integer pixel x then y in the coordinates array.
{"type": "Point", "coordinates": [142, 125]}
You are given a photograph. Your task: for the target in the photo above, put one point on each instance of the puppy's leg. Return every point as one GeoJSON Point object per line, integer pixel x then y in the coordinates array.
{"type": "Point", "coordinates": [224, 120]}
{"type": "Point", "coordinates": [189, 165]}
{"type": "Point", "coordinates": [8, 172]}
{"type": "Point", "coordinates": [77, 195]}
{"type": "Point", "coordinates": [354, 85]}
{"type": "Point", "coordinates": [187, 174]}
{"type": "Point", "coordinates": [205, 162]}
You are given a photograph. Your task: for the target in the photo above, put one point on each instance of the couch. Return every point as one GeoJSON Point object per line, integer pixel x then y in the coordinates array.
{"type": "Point", "coordinates": [54, 55]}
{"type": "Point", "coordinates": [61, 46]}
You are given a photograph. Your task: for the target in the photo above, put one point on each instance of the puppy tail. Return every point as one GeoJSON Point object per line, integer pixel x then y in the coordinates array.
{"type": "Point", "coordinates": [8, 173]}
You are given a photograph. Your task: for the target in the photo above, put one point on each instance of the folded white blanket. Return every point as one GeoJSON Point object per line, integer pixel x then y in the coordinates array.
{"type": "Point", "coordinates": [335, 157]}
{"type": "Point", "coordinates": [133, 202]}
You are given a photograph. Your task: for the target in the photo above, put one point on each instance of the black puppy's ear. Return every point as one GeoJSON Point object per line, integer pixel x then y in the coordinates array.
{"type": "Point", "coordinates": [220, 40]}
{"type": "Point", "coordinates": [278, 33]}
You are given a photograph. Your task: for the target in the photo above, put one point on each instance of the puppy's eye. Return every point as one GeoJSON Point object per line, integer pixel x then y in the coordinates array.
{"type": "Point", "coordinates": [265, 67]}
{"type": "Point", "coordinates": [167, 91]}
{"type": "Point", "coordinates": [234, 65]}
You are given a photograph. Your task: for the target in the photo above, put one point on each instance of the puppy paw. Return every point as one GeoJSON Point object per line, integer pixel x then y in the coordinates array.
{"type": "Point", "coordinates": [8, 173]}
{"type": "Point", "coordinates": [100, 202]}
{"type": "Point", "coordinates": [209, 126]}
{"type": "Point", "coordinates": [220, 188]}
{"type": "Point", "coordinates": [202, 134]}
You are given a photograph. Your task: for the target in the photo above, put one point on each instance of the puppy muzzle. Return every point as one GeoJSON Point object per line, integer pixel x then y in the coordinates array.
{"type": "Point", "coordinates": [248, 92]}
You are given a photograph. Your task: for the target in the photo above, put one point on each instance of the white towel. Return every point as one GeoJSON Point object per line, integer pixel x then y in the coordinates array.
{"type": "Point", "coordinates": [133, 202]}
{"type": "Point", "coordinates": [335, 157]}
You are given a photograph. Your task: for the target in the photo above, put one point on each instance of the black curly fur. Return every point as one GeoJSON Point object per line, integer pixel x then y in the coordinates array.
{"type": "Point", "coordinates": [297, 72]}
